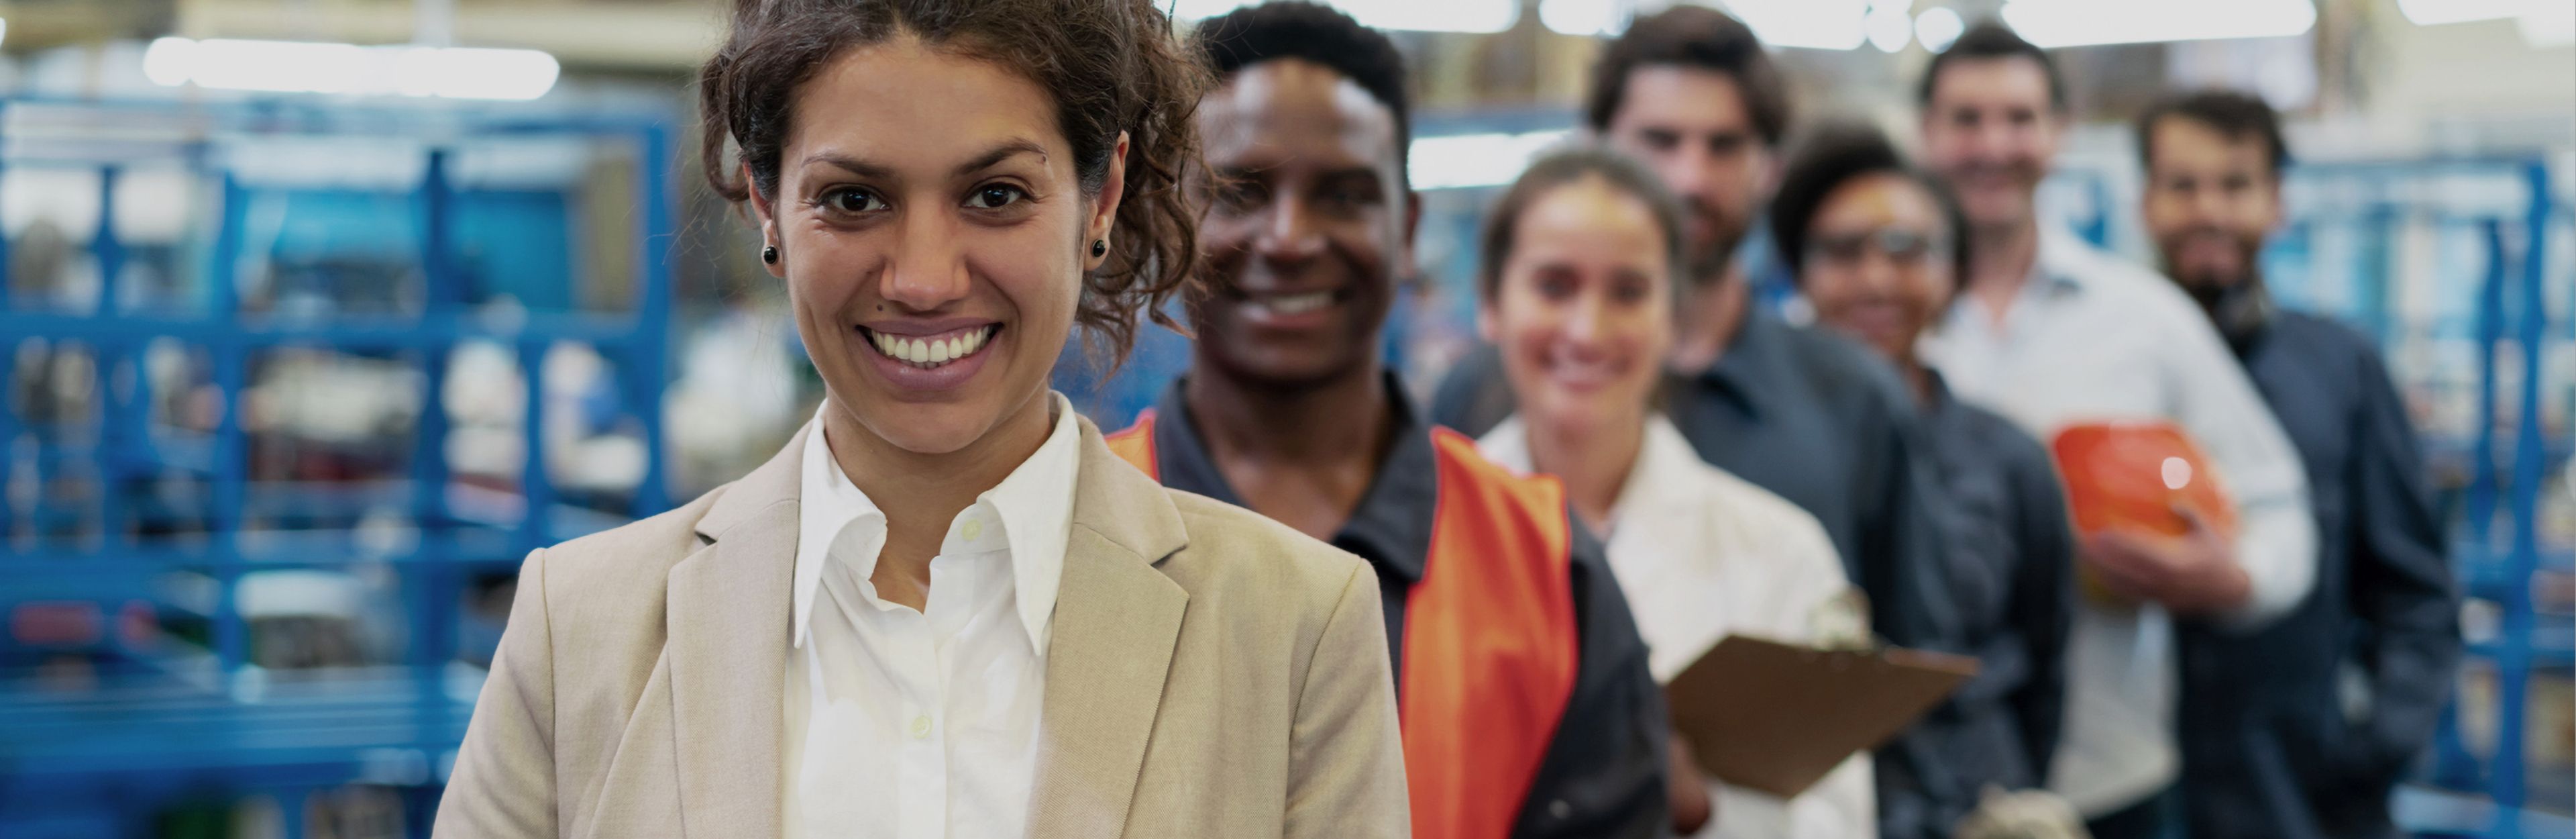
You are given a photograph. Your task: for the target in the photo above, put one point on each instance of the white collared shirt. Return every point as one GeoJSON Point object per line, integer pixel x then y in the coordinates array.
{"type": "Point", "coordinates": [1702, 554]}
{"type": "Point", "coordinates": [904, 724]}
{"type": "Point", "coordinates": [2090, 338]}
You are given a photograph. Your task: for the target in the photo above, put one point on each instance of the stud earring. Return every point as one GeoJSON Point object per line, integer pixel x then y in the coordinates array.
{"type": "Point", "coordinates": [769, 254]}
{"type": "Point", "coordinates": [1099, 247]}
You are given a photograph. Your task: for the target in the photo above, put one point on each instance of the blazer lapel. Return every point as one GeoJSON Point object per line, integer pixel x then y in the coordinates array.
{"type": "Point", "coordinates": [1116, 620]}
{"type": "Point", "coordinates": [729, 607]}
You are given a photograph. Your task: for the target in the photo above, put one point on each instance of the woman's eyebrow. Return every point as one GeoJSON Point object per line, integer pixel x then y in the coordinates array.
{"type": "Point", "coordinates": [852, 165]}
{"type": "Point", "coordinates": [1005, 150]}
{"type": "Point", "coordinates": [1002, 151]}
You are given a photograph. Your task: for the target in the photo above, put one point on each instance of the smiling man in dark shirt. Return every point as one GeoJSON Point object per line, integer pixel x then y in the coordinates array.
{"type": "Point", "coordinates": [1528, 710]}
{"type": "Point", "coordinates": [2270, 747]}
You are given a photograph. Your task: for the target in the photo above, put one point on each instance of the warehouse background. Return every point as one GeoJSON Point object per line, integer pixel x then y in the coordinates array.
{"type": "Point", "coordinates": [303, 345]}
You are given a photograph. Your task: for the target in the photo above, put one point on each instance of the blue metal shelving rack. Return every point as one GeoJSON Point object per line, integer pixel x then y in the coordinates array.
{"type": "Point", "coordinates": [160, 727]}
{"type": "Point", "coordinates": [2512, 318]}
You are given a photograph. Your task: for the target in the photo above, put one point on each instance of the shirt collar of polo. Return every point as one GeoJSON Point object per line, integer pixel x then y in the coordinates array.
{"type": "Point", "coordinates": [1391, 528]}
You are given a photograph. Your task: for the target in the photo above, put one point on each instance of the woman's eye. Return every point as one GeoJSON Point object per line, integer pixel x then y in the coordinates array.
{"type": "Point", "coordinates": [995, 196]}
{"type": "Point", "coordinates": [852, 201]}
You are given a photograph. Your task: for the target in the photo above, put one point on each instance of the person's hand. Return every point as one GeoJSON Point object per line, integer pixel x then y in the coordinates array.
{"type": "Point", "coordinates": [2195, 573]}
{"type": "Point", "coordinates": [1692, 808]}
{"type": "Point", "coordinates": [2026, 814]}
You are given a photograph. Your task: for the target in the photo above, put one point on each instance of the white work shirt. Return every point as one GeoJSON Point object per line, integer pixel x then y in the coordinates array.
{"type": "Point", "coordinates": [2093, 338]}
{"type": "Point", "coordinates": [1701, 554]}
{"type": "Point", "coordinates": [904, 724]}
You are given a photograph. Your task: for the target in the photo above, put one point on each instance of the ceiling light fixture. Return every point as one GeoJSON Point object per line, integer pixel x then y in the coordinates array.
{"type": "Point", "coordinates": [2078, 23]}
{"type": "Point", "coordinates": [315, 67]}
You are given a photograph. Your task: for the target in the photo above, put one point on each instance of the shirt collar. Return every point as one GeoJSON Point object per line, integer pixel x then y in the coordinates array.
{"type": "Point", "coordinates": [1391, 527]}
{"type": "Point", "coordinates": [1665, 462]}
{"type": "Point", "coordinates": [2065, 262]}
{"type": "Point", "coordinates": [1033, 505]}
{"type": "Point", "coordinates": [1745, 371]}
{"type": "Point", "coordinates": [1936, 392]}
{"type": "Point", "coordinates": [2062, 267]}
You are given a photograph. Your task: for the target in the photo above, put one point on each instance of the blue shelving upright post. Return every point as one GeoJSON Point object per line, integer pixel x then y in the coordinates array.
{"type": "Point", "coordinates": [2513, 646]}
{"type": "Point", "coordinates": [432, 590]}
{"type": "Point", "coordinates": [647, 362]}
{"type": "Point", "coordinates": [109, 355]}
{"type": "Point", "coordinates": [2455, 766]}
{"type": "Point", "coordinates": [231, 466]}
{"type": "Point", "coordinates": [8, 388]}
{"type": "Point", "coordinates": [536, 488]}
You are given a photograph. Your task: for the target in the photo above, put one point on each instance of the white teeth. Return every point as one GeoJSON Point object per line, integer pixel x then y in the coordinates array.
{"type": "Point", "coordinates": [931, 352]}
{"type": "Point", "coordinates": [1298, 303]}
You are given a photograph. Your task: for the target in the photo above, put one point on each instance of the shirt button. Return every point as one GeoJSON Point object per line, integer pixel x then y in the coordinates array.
{"type": "Point", "coordinates": [921, 726]}
{"type": "Point", "coordinates": [973, 528]}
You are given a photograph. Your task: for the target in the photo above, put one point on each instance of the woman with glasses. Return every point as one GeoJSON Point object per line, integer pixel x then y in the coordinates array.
{"type": "Point", "coordinates": [1878, 248]}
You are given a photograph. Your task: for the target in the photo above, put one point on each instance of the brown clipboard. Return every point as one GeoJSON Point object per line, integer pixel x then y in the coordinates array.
{"type": "Point", "coordinates": [1776, 717]}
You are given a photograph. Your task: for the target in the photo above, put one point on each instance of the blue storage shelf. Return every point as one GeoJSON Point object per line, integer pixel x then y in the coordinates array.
{"type": "Point", "coordinates": [113, 516]}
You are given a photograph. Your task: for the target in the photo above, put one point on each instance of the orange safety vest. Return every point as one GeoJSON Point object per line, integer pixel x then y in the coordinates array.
{"type": "Point", "coordinates": [1490, 644]}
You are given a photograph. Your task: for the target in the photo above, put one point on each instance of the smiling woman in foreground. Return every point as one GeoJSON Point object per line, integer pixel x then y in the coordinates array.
{"type": "Point", "coordinates": [945, 609]}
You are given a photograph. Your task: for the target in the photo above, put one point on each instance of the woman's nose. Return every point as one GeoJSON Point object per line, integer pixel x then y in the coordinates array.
{"type": "Point", "coordinates": [928, 268]}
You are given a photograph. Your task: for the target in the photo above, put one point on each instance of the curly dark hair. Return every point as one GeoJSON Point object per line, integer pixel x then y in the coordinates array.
{"type": "Point", "coordinates": [1321, 34]}
{"type": "Point", "coordinates": [1699, 38]}
{"type": "Point", "coordinates": [1110, 66]}
{"type": "Point", "coordinates": [1837, 152]}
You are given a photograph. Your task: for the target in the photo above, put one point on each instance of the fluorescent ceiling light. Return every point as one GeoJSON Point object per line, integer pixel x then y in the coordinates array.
{"type": "Point", "coordinates": [1938, 28]}
{"type": "Point", "coordinates": [1810, 24]}
{"type": "Point", "coordinates": [1471, 160]}
{"type": "Point", "coordinates": [1889, 28]}
{"type": "Point", "coordinates": [1474, 16]}
{"type": "Point", "coordinates": [2076, 23]}
{"type": "Point", "coordinates": [1584, 17]}
{"type": "Point", "coordinates": [2544, 23]}
{"type": "Point", "coordinates": [309, 67]}
{"type": "Point", "coordinates": [2434, 12]}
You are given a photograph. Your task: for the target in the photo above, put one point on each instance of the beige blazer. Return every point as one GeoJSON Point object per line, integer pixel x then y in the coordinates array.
{"type": "Point", "coordinates": [1211, 674]}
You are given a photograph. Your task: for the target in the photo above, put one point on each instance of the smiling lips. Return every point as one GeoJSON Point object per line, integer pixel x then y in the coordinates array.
{"type": "Point", "coordinates": [932, 351]}
{"type": "Point", "coordinates": [1295, 304]}
{"type": "Point", "coordinates": [1580, 371]}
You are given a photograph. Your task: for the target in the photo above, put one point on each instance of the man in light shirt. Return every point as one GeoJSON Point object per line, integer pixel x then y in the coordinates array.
{"type": "Point", "coordinates": [2051, 332]}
